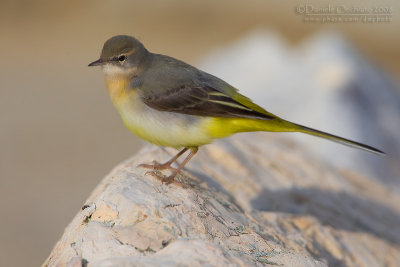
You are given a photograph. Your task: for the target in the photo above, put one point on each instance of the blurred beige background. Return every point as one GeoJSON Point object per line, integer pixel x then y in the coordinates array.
{"type": "Point", "coordinates": [59, 133]}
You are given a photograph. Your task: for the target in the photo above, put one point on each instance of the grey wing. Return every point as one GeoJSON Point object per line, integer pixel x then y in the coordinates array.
{"type": "Point", "coordinates": [200, 100]}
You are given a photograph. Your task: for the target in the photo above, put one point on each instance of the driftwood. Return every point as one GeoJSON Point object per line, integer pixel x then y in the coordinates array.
{"type": "Point", "coordinates": [250, 200]}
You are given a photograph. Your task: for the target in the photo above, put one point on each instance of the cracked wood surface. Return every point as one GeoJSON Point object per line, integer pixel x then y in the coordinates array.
{"type": "Point", "coordinates": [250, 200]}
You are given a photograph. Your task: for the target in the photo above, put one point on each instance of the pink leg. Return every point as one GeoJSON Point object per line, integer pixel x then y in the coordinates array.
{"type": "Point", "coordinates": [170, 179]}
{"type": "Point", "coordinates": [163, 166]}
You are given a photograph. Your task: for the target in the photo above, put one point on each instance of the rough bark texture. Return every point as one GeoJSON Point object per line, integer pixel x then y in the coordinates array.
{"type": "Point", "coordinates": [250, 200]}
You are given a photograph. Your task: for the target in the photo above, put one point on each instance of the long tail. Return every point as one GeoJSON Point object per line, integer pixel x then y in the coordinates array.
{"type": "Point", "coordinates": [338, 139]}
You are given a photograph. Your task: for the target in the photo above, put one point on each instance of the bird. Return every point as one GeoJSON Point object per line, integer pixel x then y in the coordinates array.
{"type": "Point", "coordinates": [170, 103]}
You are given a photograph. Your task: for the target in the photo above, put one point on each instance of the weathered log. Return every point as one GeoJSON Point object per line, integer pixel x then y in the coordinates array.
{"type": "Point", "coordinates": [251, 200]}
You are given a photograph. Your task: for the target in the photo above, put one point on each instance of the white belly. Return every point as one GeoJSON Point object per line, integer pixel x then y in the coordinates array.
{"type": "Point", "coordinates": [164, 128]}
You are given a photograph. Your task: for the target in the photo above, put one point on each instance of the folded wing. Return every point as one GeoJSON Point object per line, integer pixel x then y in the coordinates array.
{"type": "Point", "coordinates": [201, 101]}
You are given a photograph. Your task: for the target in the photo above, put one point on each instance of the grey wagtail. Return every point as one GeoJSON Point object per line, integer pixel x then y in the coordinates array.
{"type": "Point", "coordinates": [170, 103]}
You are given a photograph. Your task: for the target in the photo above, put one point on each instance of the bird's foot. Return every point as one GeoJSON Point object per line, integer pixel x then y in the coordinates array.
{"type": "Point", "coordinates": [157, 166]}
{"type": "Point", "coordinates": [163, 178]}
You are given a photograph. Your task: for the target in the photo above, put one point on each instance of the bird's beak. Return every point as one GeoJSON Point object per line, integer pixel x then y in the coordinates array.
{"type": "Point", "coordinates": [96, 63]}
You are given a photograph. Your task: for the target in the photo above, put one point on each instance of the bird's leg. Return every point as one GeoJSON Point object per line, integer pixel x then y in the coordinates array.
{"type": "Point", "coordinates": [170, 179]}
{"type": "Point", "coordinates": [166, 165]}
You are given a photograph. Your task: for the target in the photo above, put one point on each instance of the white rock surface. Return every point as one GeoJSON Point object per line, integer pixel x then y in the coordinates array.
{"type": "Point", "coordinates": [251, 200]}
{"type": "Point", "coordinates": [323, 83]}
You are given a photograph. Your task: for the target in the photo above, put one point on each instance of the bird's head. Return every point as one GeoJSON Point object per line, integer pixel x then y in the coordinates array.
{"type": "Point", "coordinates": [121, 54]}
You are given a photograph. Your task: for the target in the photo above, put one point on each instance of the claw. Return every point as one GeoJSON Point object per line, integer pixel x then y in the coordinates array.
{"type": "Point", "coordinates": [164, 179]}
{"type": "Point", "coordinates": [154, 173]}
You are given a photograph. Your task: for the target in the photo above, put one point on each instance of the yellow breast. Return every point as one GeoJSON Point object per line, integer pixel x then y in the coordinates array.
{"type": "Point", "coordinates": [117, 86]}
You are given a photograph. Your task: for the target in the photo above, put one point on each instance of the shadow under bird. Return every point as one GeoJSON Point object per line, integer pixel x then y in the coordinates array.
{"type": "Point", "coordinates": [170, 103]}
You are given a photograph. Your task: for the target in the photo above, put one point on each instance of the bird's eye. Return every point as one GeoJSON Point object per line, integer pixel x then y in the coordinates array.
{"type": "Point", "coordinates": [121, 58]}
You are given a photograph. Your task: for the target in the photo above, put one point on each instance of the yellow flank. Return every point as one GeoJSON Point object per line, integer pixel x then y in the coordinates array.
{"type": "Point", "coordinates": [223, 127]}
